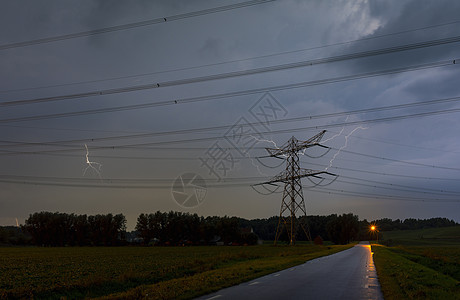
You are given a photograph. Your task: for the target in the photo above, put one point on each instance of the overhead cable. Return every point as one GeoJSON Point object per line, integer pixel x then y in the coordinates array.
{"type": "Point", "coordinates": [230, 61]}
{"type": "Point", "coordinates": [132, 25]}
{"type": "Point", "coordinates": [280, 131]}
{"type": "Point", "coordinates": [234, 74]}
{"type": "Point", "coordinates": [233, 94]}
{"type": "Point", "coordinates": [226, 127]}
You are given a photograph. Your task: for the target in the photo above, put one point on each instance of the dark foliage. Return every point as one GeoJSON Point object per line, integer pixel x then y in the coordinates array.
{"type": "Point", "coordinates": [61, 229]}
{"type": "Point", "coordinates": [318, 226]}
{"type": "Point", "coordinates": [176, 228]}
{"type": "Point", "coordinates": [343, 229]}
{"type": "Point", "coordinates": [389, 225]}
{"type": "Point", "coordinates": [12, 235]}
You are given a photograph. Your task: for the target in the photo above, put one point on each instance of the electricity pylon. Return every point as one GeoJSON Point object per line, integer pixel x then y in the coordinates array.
{"type": "Point", "coordinates": [293, 201]}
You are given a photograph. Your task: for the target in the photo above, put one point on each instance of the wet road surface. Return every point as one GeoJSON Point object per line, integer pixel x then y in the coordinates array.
{"type": "Point", "coordinates": [349, 274]}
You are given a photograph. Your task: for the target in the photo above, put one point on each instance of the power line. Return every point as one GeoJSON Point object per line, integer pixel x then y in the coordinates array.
{"type": "Point", "coordinates": [225, 127]}
{"type": "Point", "coordinates": [387, 174]}
{"type": "Point", "coordinates": [234, 74]}
{"type": "Point", "coordinates": [233, 94]}
{"type": "Point", "coordinates": [69, 129]}
{"type": "Point", "coordinates": [387, 119]}
{"type": "Point", "coordinates": [392, 185]}
{"type": "Point", "coordinates": [149, 186]}
{"type": "Point", "coordinates": [133, 25]}
{"type": "Point", "coordinates": [160, 184]}
{"type": "Point", "coordinates": [392, 142]}
{"type": "Point", "coordinates": [204, 148]}
{"type": "Point", "coordinates": [398, 187]}
{"type": "Point", "coordinates": [397, 160]}
{"type": "Point", "coordinates": [141, 183]}
{"type": "Point", "coordinates": [154, 181]}
{"type": "Point", "coordinates": [383, 197]}
{"type": "Point", "coordinates": [118, 186]}
{"type": "Point", "coordinates": [113, 180]}
{"type": "Point", "coordinates": [232, 61]}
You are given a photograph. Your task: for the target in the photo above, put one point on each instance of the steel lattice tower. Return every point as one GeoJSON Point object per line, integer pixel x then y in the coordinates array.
{"type": "Point", "coordinates": [293, 202]}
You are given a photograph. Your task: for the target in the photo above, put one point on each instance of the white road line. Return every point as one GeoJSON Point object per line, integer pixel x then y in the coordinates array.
{"type": "Point", "coordinates": [277, 274]}
{"type": "Point", "coordinates": [254, 283]}
{"type": "Point", "coordinates": [217, 296]}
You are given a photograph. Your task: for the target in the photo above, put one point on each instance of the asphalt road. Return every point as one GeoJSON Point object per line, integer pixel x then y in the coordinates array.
{"type": "Point", "coordinates": [349, 274]}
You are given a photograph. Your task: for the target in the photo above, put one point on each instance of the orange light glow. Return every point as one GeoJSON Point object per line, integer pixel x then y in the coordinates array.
{"type": "Point", "coordinates": [372, 228]}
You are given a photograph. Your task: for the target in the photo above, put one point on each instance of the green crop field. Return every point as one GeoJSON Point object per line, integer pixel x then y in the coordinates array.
{"type": "Point", "coordinates": [133, 272]}
{"type": "Point", "coordinates": [421, 264]}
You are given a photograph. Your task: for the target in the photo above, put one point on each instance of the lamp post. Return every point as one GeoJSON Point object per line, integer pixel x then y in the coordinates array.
{"type": "Point", "coordinates": [374, 229]}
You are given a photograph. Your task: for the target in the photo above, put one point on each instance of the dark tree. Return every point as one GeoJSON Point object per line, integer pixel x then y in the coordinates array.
{"type": "Point", "coordinates": [343, 229]}
{"type": "Point", "coordinates": [61, 229]}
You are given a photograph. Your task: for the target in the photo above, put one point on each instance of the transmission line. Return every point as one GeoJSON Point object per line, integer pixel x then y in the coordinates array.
{"type": "Point", "coordinates": [168, 186]}
{"type": "Point", "coordinates": [230, 181]}
{"type": "Point", "coordinates": [231, 61]}
{"type": "Point", "coordinates": [396, 160]}
{"type": "Point", "coordinates": [386, 174]}
{"type": "Point", "coordinates": [311, 163]}
{"type": "Point", "coordinates": [226, 127]}
{"type": "Point", "coordinates": [384, 197]}
{"type": "Point", "coordinates": [396, 187]}
{"type": "Point", "coordinates": [234, 74]}
{"type": "Point", "coordinates": [233, 94]}
{"type": "Point", "coordinates": [387, 119]}
{"type": "Point", "coordinates": [133, 25]}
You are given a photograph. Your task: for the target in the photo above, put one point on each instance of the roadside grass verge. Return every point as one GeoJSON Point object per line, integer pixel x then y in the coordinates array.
{"type": "Point", "coordinates": [88, 272]}
{"type": "Point", "coordinates": [407, 275]}
{"type": "Point", "coordinates": [443, 259]}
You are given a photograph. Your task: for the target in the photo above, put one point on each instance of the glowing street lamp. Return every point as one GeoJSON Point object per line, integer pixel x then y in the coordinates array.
{"type": "Point", "coordinates": [374, 229]}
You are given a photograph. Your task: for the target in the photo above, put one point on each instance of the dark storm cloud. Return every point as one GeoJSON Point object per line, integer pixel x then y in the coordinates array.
{"type": "Point", "coordinates": [261, 30]}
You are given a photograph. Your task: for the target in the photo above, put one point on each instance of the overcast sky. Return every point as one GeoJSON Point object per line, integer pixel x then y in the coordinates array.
{"type": "Point", "coordinates": [220, 70]}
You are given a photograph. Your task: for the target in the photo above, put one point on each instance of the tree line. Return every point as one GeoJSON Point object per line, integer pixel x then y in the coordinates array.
{"type": "Point", "coordinates": [386, 224]}
{"type": "Point", "coordinates": [176, 228]}
{"type": "Point", "coordinates": [339, 229]}
{"type": "Point", "coordinates": [62, 229]}
{"type": "Point", "coordinates": [342, 228]}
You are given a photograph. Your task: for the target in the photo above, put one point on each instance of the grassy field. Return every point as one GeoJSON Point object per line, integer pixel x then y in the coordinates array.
{"type": "Point", "coordinates": [423, 237]}
{"type": "Point", "coordinates": [134, 272]}
{"type": "Point", "coordinates": [422, 264]}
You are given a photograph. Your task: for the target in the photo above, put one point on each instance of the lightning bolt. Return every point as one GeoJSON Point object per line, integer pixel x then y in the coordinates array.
{"type": "Point", "coordinates": [264, 141]}
{"type": "Point", "coordinates": [345, 145]}
{"type": "Point", "coordinates": [17, 223]}
{"type": "Point", "coordinates": [92, 164]}
{"type": "Point", "coordinates": [252, 159]}
{"type": "Point", "coordinates": [336, 135]}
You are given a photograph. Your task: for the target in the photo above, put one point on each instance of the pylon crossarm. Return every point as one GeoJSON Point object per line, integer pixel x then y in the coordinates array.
{"type": "Point", "coordinates": [284, 176]}
{"type": "Point", "coordinates": [315, 139]}
{"type": "Point", "coordinates": [322, 146]}
{"type": "Point", "coordinates": [293, 145]}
